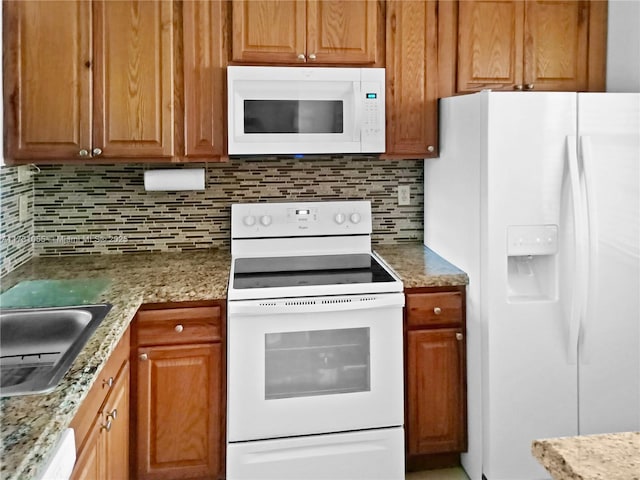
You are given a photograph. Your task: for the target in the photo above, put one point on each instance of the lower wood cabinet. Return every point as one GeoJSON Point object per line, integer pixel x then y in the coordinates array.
{"type": "Point", "coordinates": [102, 424]}
{"type": "Point", "coordinates": [435, 375]}
{"type": "Point", "coordinates": [179, 393]}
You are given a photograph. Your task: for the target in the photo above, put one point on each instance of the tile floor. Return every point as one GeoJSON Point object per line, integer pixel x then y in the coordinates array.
{"type": "Point", "coordinates": [446, 474]}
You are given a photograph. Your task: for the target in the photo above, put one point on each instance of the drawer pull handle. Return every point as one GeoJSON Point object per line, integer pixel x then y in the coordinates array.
{"type": "Point", "coordinates": [144, 356]}
{"type": "Point", "coordinates": [106, 426]}
{"type": "Point", "coordinates": [179, 328]}
{"type": "Point", "coordinates": [437, 310]}
{"type": "Point", "coordinates": [459, 336]}
{"type": "Point", "coordinates": [107, 383]}
{"type": "Point", "coordinates": [113, 415]}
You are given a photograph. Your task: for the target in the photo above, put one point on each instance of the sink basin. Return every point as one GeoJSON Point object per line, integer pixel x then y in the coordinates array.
{"type": "Point", "coordinates": [38, 345]}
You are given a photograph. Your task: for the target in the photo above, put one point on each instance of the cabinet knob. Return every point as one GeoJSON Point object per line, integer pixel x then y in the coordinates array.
{"type": "Point", "coordinates": [106, 426]}
{"type": "Point", "coordinates": [107, 383]}
{"type": "Point", "coordinates": [431, 149]}
{"type": "Point", "coordinates": [312, 57]}
{"type": "Point", "coordinates": [83, 153]}
{"type": "Point", "coordinates": [459, 336]}
{"type": "Point", "coordinates": [518, 87]}
{"type": "Point", "coordinates": [437, 310]}
{"type": "Point", "coordinates": [144, 356]}
{"type": "Point", "coordinates": [96, 152]}
{"type": "Point", "coordinates": [113, 414]}
{"type": "Point", "coordinates": [179, 328]}
{"type": "Point", "coordinates": [529, 86]}
{"type": "Point", "coordinates": [301, 57]}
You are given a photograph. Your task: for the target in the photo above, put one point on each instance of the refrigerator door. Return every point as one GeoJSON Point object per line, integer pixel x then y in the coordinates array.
{"type": "Point", "coordinates": [609, 367]}
{"type": "Point", "coordinates": [529, 371]}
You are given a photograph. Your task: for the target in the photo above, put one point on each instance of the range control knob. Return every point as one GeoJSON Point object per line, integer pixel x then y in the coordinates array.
{"type": "Point", "coordinates": [249, 220]}
{"type": "Point", "coordinates": [355, 218]}
{"type": "Point", "coordinates": [339, 218]}
{"type": "Point", "coordinates": [265, 220]}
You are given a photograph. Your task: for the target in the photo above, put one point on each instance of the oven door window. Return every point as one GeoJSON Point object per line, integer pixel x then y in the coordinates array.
{"type": "Point", "coordinates": [318, 362]}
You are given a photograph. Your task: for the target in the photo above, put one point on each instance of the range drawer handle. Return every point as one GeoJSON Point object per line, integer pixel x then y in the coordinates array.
{"type": "Point", "coordinates": [437, 310]}
{"type": "Point", "coordinates": [179, 328]}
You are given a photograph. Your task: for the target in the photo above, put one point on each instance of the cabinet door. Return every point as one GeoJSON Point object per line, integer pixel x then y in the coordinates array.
{"type": "Point", "coordinates": [204, 78]}
{"type": "Point", "coordinates": [412, 97]}
{"type": "Point", "coordinates": [556, 45]}
{"type": "Point", "coordinates": [268, 31]}
{"type": "Point", "coordinates": [179, 402]}
{"type": "Point", "coordinates": [90, 463]}
{"type": "Point", "coordinates": [342, 32]}
{"type": "Point", "coordinates": [116, 411]}
{"type": "Point", "coordinates": [133, 79]}
{"type": "Point", "coordinates": [435, 388]}
{"type": "Point", "coordinates": [490, 44]}
{"type": "Point", "coordinates": [47, 75]}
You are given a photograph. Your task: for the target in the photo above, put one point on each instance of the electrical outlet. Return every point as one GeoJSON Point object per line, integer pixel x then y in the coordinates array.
{"type": "Point", "coordinates": [24, 173]}
{"type": "Point", "coordinates": [404, 195]}
{"type": "Point", "coordinates": [23, 208]}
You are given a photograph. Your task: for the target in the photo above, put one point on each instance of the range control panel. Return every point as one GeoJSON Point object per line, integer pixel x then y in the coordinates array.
{"type": "Point", "coordinates": [297, 219]}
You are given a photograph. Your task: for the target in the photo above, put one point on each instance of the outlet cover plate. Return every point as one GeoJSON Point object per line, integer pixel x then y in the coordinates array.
{"type": "Point", "coordinates": [404, 195]}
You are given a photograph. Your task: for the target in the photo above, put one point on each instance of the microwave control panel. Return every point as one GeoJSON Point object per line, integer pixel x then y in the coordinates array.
{"type": "Point", "coordinates": [373, 110]}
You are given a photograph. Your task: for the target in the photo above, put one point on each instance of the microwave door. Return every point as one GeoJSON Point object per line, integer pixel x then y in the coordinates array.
{"type": "Point", "coordinates": [279, 118]}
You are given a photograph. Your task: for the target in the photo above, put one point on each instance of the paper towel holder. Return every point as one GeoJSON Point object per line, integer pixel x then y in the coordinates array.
{"type": "Point", "coordinates": [174, 179]}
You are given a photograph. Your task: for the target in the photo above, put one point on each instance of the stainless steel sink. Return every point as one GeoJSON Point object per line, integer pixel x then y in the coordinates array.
{"type": "Point", "coordinates": [38, 345]}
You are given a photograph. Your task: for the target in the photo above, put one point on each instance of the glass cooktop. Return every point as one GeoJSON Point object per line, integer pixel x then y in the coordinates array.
{"type": "Point", "coordinates": [308, 270]}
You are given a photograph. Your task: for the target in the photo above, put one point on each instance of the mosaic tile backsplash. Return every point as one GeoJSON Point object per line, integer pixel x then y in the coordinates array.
{"type": "Point", "coordinates": [105, 209]}
{"type": "Point", "coordinates": [16, 237]}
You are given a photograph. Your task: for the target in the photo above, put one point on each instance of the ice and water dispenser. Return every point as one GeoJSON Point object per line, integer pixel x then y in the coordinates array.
{"type": "Point", "coordinates": [532, 263]}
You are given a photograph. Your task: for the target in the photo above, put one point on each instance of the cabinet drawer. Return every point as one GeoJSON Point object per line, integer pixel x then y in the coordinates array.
{"type": "Point", "coordinates": [179, 325]}
{"type": "Point", "coordinates": [431, 309]}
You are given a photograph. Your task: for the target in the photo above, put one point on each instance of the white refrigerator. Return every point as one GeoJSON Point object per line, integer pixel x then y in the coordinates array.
{"type": "Point", "coordinates": [536, 197]}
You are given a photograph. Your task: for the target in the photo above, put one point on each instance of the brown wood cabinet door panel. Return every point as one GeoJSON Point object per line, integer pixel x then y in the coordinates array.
{"type": "Point", "coordinates": [116, 411]}
{"type": "Point", "coordinates": [204, 78]}
{"type": "Point", "coordinates": [435, 377]}
{"type": "Point", "coordinates": [490, 44]}
{"type": "Point", "coordinates": [342, 32]}
{"type": "Point", "coordinates": [90, 460]}
{"type": "Point", "coordinates": [179, 395]}
{"type": "Point", "coordinates": [412, 79]}
{"type": "Point", "coordinates": [556, 42]}
{"type": "Point", "coordinates": [268, 31]}
{"type": "Point", "coordinates": [133, 78]}
{"type": "Point", "coordinates": [47, 79]}
{"type": "Point", "coordinates": [434, 309]}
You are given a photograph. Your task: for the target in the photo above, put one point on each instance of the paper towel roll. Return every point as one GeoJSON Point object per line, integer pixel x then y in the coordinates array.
{"type": "Point", "coordinates": [174, 179]}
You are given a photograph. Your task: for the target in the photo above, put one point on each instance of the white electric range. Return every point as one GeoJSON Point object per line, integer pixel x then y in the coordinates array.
{"type": "Point", "coordinates": [314, 357]}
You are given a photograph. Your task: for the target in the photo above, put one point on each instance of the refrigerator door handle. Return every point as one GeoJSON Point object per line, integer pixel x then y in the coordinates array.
{"type": "Point", "coordinates": [590, 237]}
{"type": "Point", "coordinates": [576, 301]}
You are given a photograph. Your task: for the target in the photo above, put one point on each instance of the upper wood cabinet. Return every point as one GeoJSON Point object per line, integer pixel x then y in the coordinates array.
{"type": "Point", "coordinates": [88, 80]}
{"type": "Point", "coordinates": [522, 45]}
{"type": "Point", "coordinates": [305, 32]}
{"type": "Point", "coordinates": [412, 79]}
{"type": "Point", "coordinates": [205, 59]}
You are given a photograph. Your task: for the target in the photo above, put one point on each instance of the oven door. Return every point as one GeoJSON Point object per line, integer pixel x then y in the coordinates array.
{"type": "Point", "coordinates": [310, 365]}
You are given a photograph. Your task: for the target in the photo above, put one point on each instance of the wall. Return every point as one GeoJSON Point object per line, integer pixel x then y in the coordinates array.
{"type": "Point", "coordinates": [16, 245]}
{"type": "Point", "coordinates": [105, 209]}
{"type": "Point", "coordinates": [623, 46]}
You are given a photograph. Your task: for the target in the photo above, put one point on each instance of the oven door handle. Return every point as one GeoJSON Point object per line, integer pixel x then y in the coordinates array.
{"type": "Point", "coordinates": [315, 304]}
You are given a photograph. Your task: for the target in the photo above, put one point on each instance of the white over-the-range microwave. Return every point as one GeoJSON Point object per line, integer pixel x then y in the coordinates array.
{"type": "Point", "coordinates": [305, 110]}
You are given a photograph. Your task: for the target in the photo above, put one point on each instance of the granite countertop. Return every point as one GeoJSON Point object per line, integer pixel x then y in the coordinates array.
{"type": "Point", "coordinates": [31, 424]}
{"type": "Point", "coordinates": [612, 456]}
{"type": "Point", "coordinates": [419, 266]}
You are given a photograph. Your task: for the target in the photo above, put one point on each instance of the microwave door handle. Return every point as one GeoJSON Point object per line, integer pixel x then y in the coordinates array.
{"type": "Point", "coordinates": [357, 120]}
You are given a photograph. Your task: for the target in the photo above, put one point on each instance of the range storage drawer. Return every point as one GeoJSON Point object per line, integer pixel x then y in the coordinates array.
{"type": "Point", "coordinates": [179, 325]}
{"type": "Point", "coordinates": [434, 309]}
